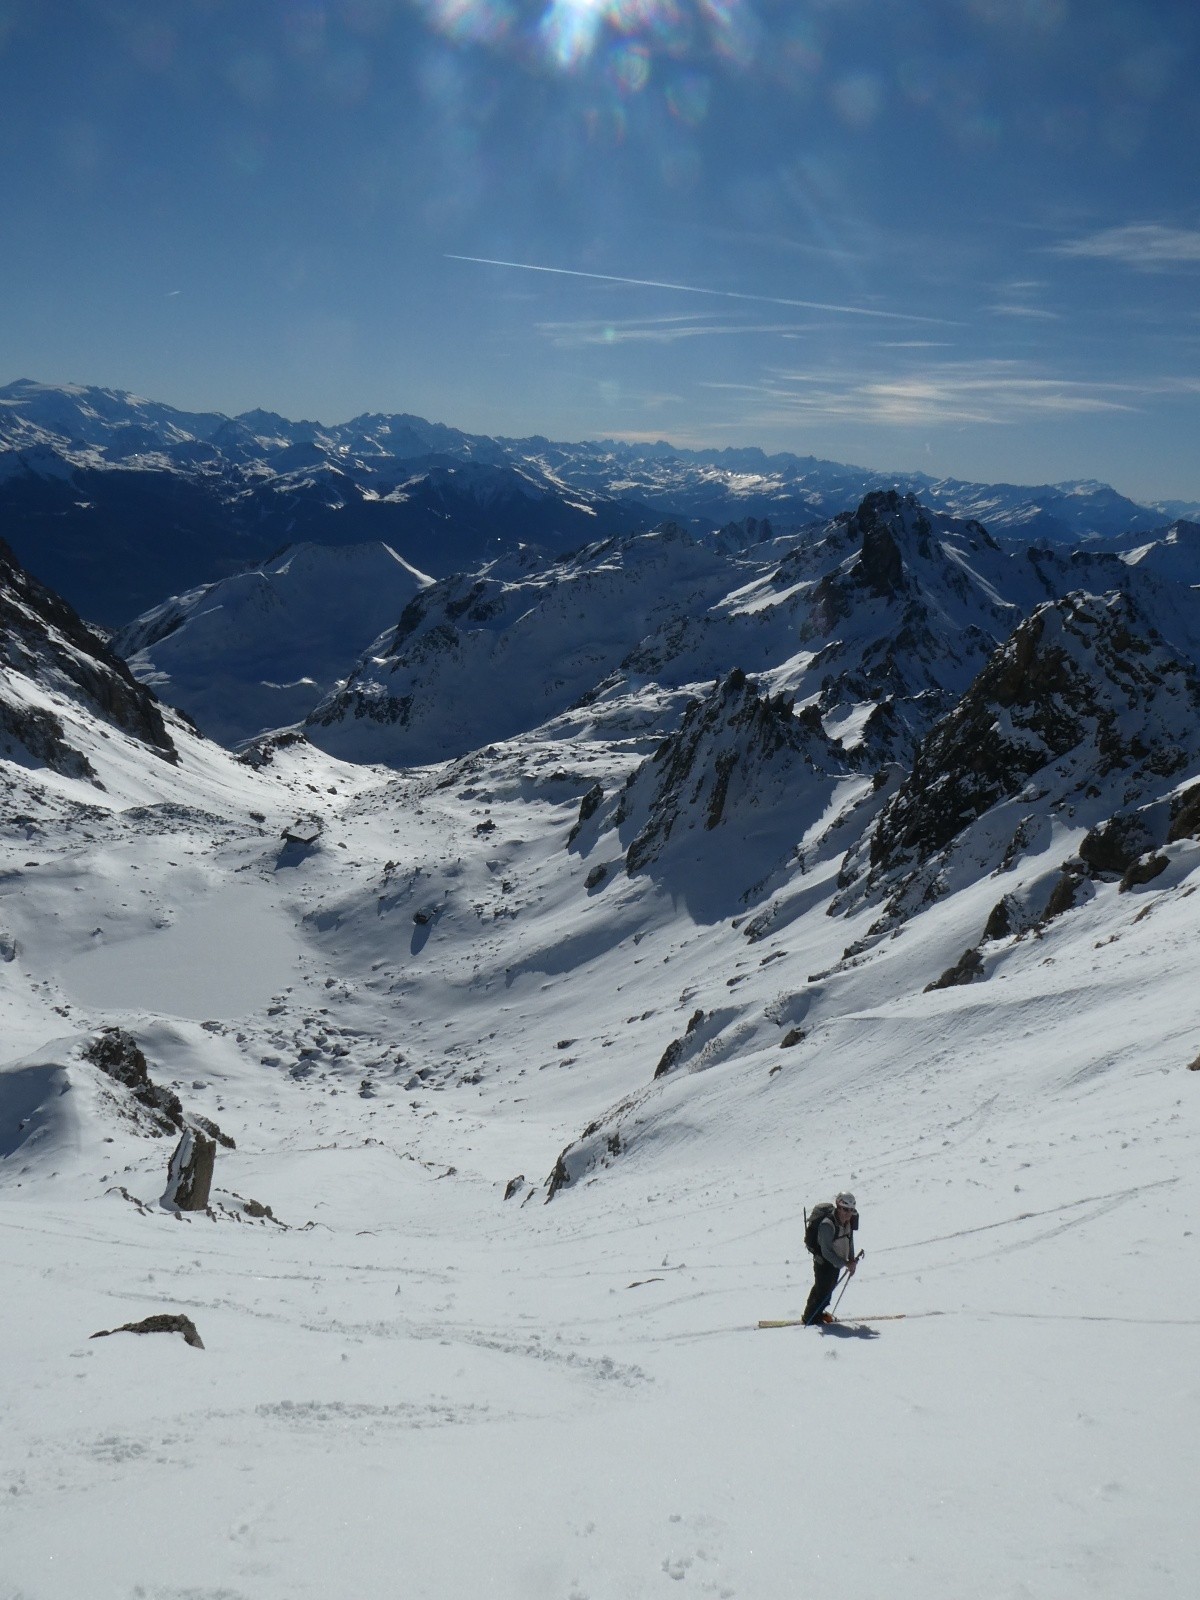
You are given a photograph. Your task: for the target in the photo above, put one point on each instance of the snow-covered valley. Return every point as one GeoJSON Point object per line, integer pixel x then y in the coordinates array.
{"type": "Point", "coordinates": [536, 1138]}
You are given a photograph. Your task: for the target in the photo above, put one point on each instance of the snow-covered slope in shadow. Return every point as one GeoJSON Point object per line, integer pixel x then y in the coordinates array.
{"type": "Point", "coordinates": [257, 651]}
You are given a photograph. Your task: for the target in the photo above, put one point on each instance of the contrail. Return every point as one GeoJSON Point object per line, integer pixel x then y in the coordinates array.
{"type": "Point", "coordinates": [691, 288]}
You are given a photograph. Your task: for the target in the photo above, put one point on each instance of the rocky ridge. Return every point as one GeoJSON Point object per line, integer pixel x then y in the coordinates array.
{"type": "Point", "coordinates": [50, 656]}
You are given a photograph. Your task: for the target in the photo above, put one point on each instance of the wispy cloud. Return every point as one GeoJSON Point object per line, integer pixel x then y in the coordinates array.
{"type": "Point", "coordinates": [992, 393]}
{"type": "Point", "coordinates": [661, 330]}
{"type": "Point", "coordinates": [1035, 313]}
{"type": "Point", "coordinates": [691, 288]}
{"type": "Point", "coordinates": [1146, 245]}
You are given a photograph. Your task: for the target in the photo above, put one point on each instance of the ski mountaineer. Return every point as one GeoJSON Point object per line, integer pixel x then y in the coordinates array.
{"type": "Point", "coordinates": [829, 1234]}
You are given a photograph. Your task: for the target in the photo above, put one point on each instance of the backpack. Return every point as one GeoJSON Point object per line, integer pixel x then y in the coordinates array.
{"type": "Point", "coordinates": [813, 1221]}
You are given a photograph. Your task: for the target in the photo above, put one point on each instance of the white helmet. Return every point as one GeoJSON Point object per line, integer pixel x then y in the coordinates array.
{"type": "Point", "coordinates": [846, 1199]}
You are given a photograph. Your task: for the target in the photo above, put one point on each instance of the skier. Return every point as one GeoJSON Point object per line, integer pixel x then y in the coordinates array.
{"type": "Point", "coordinates": [830, 1236]}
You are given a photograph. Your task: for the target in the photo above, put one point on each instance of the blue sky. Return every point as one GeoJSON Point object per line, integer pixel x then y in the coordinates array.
{"type": "Point", "coordinates": [961, 236]}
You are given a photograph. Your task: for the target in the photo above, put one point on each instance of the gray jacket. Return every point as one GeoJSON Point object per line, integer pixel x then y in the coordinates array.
{"type": "Point", "coordinates": [834, 1241]}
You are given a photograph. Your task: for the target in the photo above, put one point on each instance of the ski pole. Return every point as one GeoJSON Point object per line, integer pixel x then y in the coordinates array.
{"type": "Point", "coordinates": [849, 1275]}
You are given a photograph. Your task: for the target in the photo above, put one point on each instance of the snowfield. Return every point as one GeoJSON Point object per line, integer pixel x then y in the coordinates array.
{"type": "Point", "coordinates": [745, 870]}
{"type": "Point", "coordinates": [411, 1385]}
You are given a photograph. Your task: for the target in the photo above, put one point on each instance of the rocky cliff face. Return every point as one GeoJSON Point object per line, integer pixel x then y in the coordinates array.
{"type": "Point", "coordinates": [1085, 704]}
{"type": "Point", "coordinates": [48, 655]}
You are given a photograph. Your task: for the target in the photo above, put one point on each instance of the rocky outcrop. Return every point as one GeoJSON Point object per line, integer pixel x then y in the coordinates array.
{"type": "Point", "coordinates": [1069, 889]}
{"type": "Point", "coordinates": [1115, 844]}
{"type": "Point", "coordinates": [45, 642]}
{"type": "Point", "coordinates": [41, 736]}
{"type": "Point", "coordinates": [1144, 870]}
{"type": "Point", "coordinates": [1185, 815]}
{"type": "Point", "coordinates": [588, 807]}
{"type": "Point", "coordinates": [673, 1054]}
{"type": "Point", "coordinates": [1083, 690]}
{"type": "Point", "coordinates": [906, 619]}
{"type": "Point", "coordinates": [190, 1174]}
{"type": "Point", "coordinates": [966, 969]}
{"type": "Point", "coordinates": [164, 1322]}
{"type": "Point", "coordinates": [119, 1057]}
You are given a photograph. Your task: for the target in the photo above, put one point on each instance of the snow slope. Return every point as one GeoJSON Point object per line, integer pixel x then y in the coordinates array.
{"type": "Point", "coordinates": [408, 1379]}
{"type": "Point", "coordinates": [258, 650]}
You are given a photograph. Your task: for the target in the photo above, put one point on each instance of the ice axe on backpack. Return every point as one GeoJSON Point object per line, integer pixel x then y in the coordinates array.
{"type": "Point", "coordinates": [846, 1280]}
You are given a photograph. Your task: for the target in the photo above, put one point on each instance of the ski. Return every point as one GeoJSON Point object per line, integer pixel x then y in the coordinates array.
{"type": "Point", "coordinates": [798, 1322]}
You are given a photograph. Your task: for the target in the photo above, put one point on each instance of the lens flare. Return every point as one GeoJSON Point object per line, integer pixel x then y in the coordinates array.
{"type": "Point", "coordinates": [569, 30]}
{"type": "Point", "coordinates": [629, 67]}
{"type": "Point", "coordinates": [487, 22]}
{"type": "Point", "coordinates": [688, 98]}
{"type": "Point", "coordinates": [735, 30]}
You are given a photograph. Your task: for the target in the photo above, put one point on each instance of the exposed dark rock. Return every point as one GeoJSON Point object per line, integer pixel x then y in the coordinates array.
{"type": "Point", "coordinates": [559, 1178]}
{"type": "Point", "coordinates": [966, 969]}
{"type": "Point", "coordinates": [262, 752]}
{"type": "Point", "coordinates": [164, 1322]}
{"type": "Point", "coordinates": [1083, 677]}
{"type": "Point", "coordinates": [881, 567]}
{"type": "Point", "coordinates": [190, 1174]}
{"type": "Point", "coordinates": [514, 1186]}
{"type": "Point", "coordinates": [1185, 815]}
{"type": "Point", "coordinates": [588, 806]}
{"type": "Point", "coordinates": [208, 1126]}
{"type": "Point", "coordinates": [596, 876]}
{"type": "Point", "coordinates": [1144, 870]}
{"type": "Point", "coordinates": [1064, 896]}
{"type": "Point", "coordinates": [1113, 845]}
{"type": "Point", "coordinates": [256, 1209]}
{"type": "Point", "coordinates": [41, 735]}
{"type": "Point", "coordinates": [43, 639]}
{"type": "Point", "coordinates": [672, 1054]}
{"type": "Point", "coordinates": [1000, 920]}
{"type": "Point", "coordinates": [793, 1036]}
{"type": "Point", "coordinates": [116, 1053]}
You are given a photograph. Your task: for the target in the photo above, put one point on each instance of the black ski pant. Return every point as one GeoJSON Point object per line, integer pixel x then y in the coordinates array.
{"type": "Point", "coordinates": [825, 1279]}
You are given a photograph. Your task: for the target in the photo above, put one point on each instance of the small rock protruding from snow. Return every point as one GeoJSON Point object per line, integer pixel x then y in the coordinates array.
{"type": "Point", "coordinates": [966, 969]}
{"type": "Point", "coordinates": [164, 1322]}
{"type": "Point", "coordinates": [588, 806]}
{"type": "Point", "coordinates": [1144, 870]}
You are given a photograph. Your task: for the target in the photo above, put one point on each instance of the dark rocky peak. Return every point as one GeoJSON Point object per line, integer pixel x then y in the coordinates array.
{"type": "Point", "coordinates": [892, 552]}
{"type": "Point", "coordinates": [880, 566]}
{"type": "Point", "coordinates": [46, 644]}
{"type": "Point", "coordinates": [1084, 702]}
{"type": "Point", "coordinates": [736, 752]}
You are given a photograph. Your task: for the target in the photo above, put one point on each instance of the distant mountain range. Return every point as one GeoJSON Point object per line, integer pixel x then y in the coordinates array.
{"type": "Point", "coordinates": [119, 502]}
